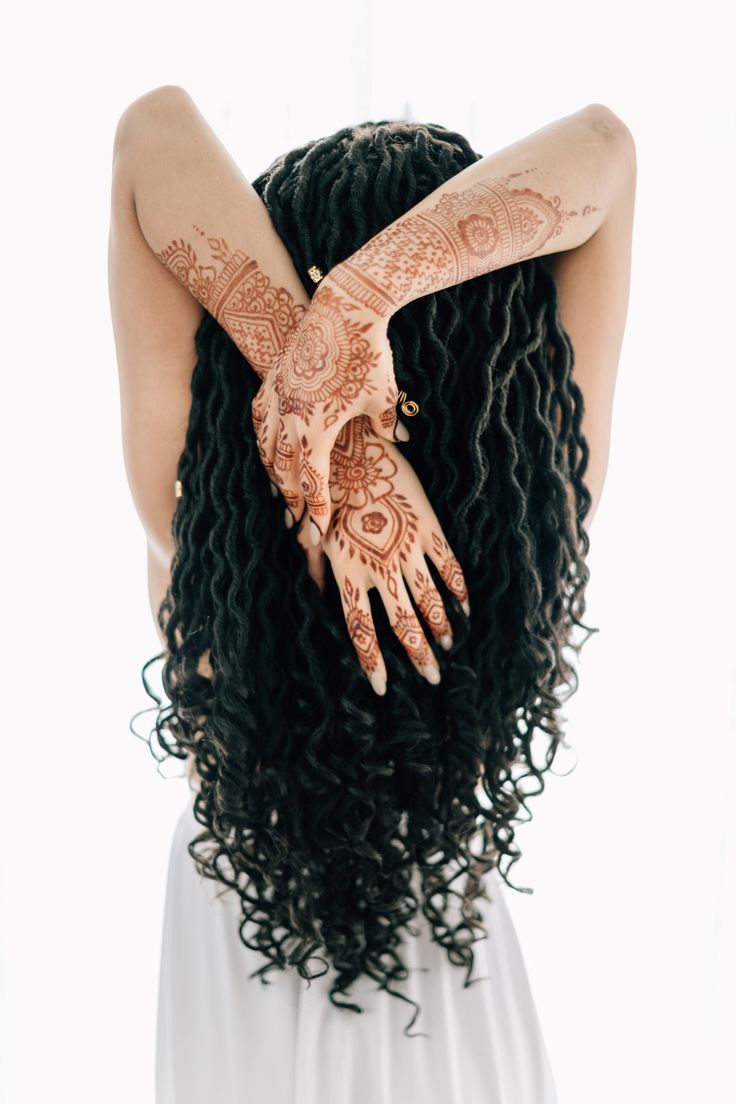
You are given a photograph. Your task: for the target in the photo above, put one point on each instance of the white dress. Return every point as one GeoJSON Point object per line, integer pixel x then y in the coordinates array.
{"type": "Point", "coordinates": [225, 1038]}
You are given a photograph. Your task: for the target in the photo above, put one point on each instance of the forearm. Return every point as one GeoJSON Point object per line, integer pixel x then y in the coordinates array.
{"type": "Point", "coordinates": [548, 192]}
{"type": "Point", "coordinates": [207, 225]}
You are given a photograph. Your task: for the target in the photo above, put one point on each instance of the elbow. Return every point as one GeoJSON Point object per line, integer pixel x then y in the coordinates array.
{"type": "Point", "coordinates": [607, 123]}
{"type": "Point", "coordinates": [610, 128]}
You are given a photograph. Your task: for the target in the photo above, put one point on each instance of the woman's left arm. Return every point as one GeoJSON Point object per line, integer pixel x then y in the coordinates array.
{"type": "Point", "coordinates": [187, 232]}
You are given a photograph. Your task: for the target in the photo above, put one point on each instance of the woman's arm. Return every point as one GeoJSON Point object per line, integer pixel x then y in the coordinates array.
{"type": "Point", "coordinates": [548, 192]}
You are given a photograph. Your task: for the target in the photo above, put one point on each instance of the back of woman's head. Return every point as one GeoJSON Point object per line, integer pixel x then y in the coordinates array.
{"type": "Point", "coordinates": [337, 815]}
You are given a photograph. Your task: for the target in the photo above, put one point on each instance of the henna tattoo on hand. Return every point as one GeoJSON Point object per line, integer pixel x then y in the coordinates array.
{"type": "Point", "coordinates": [465, 234]}
{"type": "Point", "coordinates": [362, 475]}
{"type": "Point", "coordinates": [257, 316]}
{"type": "Point", "coordinates": [328, 363]}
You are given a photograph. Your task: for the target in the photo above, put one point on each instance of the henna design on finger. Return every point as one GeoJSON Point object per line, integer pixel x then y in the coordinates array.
{"type": "Point", "coordinates": [311, 484]}
{"type": "Point", "coordinates": [465, 234]}
{"type": "Point", "coordinates": [360, 628]}
{"type": "Point", "coordinates": [450, 569]}
{"type": "Point", "coordinates": [257, 316]}
{"type": "Point", "coordinates": [284, 449]}
{"type": "Point", "coordinates": [430, 604]}
{"type": "Point", "coordinates": [409, 632]}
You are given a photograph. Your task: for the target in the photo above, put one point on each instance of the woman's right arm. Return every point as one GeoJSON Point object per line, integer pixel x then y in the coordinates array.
{"type": "Point", "coordinates": [567, 190]}
{"type": "Point", "coordinates": [548, 192]}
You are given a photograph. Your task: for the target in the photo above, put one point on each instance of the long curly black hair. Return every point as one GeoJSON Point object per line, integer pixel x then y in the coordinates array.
{"type": "Point", "coordinates": [334, 814]}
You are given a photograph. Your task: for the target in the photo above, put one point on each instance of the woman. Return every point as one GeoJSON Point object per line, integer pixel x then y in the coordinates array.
{"type": "Point", "coordinates": [355, 788]}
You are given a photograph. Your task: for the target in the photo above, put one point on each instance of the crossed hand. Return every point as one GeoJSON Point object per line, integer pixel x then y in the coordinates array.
{"type": "Point", "coordinates": [325, 422]}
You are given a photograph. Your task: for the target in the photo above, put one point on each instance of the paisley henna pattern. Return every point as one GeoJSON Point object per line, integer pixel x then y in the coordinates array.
{"type": "Point", "coordinates": [361, 475]}
{"type": "Point", "coordinates": [328, 363]}
{"type": "Point", "coordinates": [449, 568]}
{"type": "Point", "coordinates": [360, 628]}
{"type": "Point", "coordinates": [465, 234]}
{"type": "Point", "coordinates": [257, 316]}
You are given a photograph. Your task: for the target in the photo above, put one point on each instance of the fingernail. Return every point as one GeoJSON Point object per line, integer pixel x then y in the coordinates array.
{"type": "Point", "coordinates": [466, 607]}
{"type": "Point", "coordinates": [446, 641]}
{"type": "Point", "coordinates": [314, 534]}
{"type": "Point", "coordinates": [431, 673]}
{"type": "Point", "coordinates": [378, 682]}
{"type": "Point", "coordinates": [288, 518]}
{"type": "Point", "coordinates": [401, 431]}
{"type": "Point", "coordinates": [274, 489]}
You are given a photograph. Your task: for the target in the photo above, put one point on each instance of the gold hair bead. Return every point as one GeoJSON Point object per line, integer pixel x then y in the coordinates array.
{"type": "Point", "coordinates": [410, 408]}
{"type": "Point", "coordinates": [315, 273]}
{"type": "Point", "coordinates": [178, 488]}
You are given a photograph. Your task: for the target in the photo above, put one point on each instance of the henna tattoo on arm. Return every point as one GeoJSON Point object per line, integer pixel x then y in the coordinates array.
{"type": "Point", "coordinates": [238, 294]}
{"type": "Point", "coordinates": [464, 234]}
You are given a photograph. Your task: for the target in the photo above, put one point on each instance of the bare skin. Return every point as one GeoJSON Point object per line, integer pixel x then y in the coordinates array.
{"type": "Point", "coordinates": [567, 188]}
{"type": "Point", "coordinates": [172, 182]}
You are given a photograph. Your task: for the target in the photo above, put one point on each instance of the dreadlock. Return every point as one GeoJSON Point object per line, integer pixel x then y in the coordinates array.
{"type": "Point", "coordinates": [334, 814]}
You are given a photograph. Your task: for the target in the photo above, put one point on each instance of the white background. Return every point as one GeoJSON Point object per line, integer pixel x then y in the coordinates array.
{"type": "Point", "coordinates": [627, 936]}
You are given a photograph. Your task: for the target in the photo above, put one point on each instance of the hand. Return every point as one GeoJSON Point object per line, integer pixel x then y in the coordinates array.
{"type": "Point", "coordinates": [337, 363]}
{"type": "Point", "coordinates": [382, 527]}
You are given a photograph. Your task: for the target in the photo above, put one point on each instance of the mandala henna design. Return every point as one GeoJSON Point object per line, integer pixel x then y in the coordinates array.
{"type": "Point", "coordinates": [257, 316]}
{"type": "Point", "coordinates": [409, 631]}
{"type": "Point", "coordinates": [328, 363]}
{"type": "Point", "coordinates": [465, 234]}
{"type": "Point", "coordinates": [430, 604]}
{"type": "Point", "coordinates": [450, 569]}
{"type": "Point", "coordinates": [360, 628]}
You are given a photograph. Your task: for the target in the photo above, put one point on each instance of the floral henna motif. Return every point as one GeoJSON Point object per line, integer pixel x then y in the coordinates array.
{"type": "Point", "coordinates": [430, 604]}
{"type": "Point", "coordinates": [257, 316]}
{"type": "Point", "coordinates": [360, 628]}
{"type": "Point", "coordinates": [465, 234]}
{"type": "Point", "coordinates": [328, 363]}
{"type": "Point", "coordinates": [450, 569]}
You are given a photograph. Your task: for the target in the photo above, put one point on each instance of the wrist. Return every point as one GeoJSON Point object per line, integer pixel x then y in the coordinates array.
{"type": "Point", "coordinates": [351, 280]}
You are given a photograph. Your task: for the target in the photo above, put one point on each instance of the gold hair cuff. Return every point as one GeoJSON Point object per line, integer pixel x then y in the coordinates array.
{"type": "Point", "coordinates": [410, 408]}
{"type": "Point", "coordinates": [315, 273]}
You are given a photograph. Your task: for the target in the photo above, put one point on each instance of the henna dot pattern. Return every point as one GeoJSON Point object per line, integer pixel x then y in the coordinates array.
{"type": "Point", "coordinates": [319, 801]}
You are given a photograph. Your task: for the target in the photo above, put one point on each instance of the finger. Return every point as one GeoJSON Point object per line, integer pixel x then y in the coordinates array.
{"type": "Point", "coordinates": [362, 632]}
{"type": "Point", "coordinates": [265, 425]}
{"type": "Point", "coordinates": [314, 473]}
{"type": "Point", "coordinates": [287, 471]}
{"type": "Point", "coordinates": [430, 605]}
{"type": "Point", "coordinates": [315, 555]}
{"type": "Point", "coordinates": [444, 560]}
{"type": "Point", "coordinates": [408, 629]}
